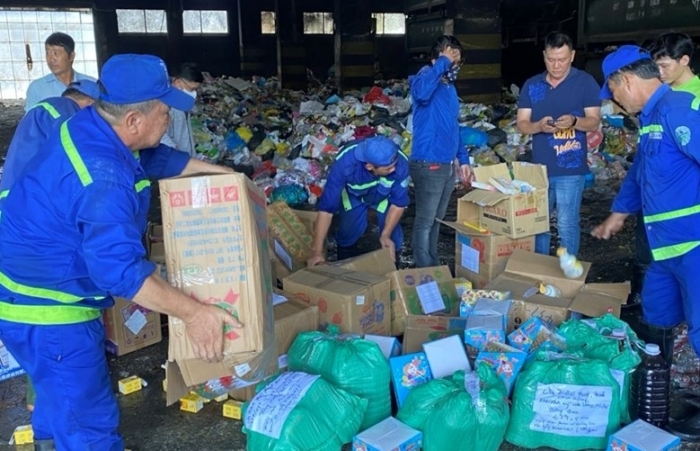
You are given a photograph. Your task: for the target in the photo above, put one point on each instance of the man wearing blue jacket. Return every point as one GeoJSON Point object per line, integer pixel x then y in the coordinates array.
{"type": "Point", "coordinates": [70, 240]}
{"type": "Point", "coordinates": [435, 146]}
{"type": "Point", "coordinates": [33, 130]}
{"type": "Point", "coordinates": [663, 183]}
{"type": "Point", "coordinates": [370, 173]}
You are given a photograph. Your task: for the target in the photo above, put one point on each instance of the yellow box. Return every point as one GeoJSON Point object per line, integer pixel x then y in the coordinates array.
{"type": "Point", "coordinates": [23, 435]}
{"type": "Point", "coordinates": [221, 398]}
{"type": "Point", "coordinates": [191, 403]}
{"type": "Point", "coordinates": [130, 385]}
{"type": "Point", "coordinates": [204, 400]}
{"type": "Point", "coordinates": [232, 409]}
{"type": "Point", "coordinates": [165, 385]}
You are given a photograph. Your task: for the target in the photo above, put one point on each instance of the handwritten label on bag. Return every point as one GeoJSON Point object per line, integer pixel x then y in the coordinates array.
{"type": "Point", "coordinates": [572, 410]}
{"type": "Point", "coordinates": [270, 408]}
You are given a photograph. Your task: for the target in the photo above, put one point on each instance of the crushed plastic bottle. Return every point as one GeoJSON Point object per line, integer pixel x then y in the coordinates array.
{"type": "Point", "coordinates": [569, 264]}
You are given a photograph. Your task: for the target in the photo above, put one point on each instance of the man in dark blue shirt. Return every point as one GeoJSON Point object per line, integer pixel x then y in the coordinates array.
{"type": "Point", "coordinates": [558, 107]}
{"type": "Point", "coordinates": [368, 173]}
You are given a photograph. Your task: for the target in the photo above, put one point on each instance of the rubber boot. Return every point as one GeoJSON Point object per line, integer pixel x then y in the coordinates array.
{"type": "Point", "coordinates": [661, 336]}
{"type": "Point", "coordinates": [634, 300]}
{"type": "Point", "coordinates": [44, 445]}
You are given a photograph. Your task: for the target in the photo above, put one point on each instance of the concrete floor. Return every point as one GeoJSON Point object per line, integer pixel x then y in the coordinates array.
{"type": "Point", "coordinates": [147, 425]}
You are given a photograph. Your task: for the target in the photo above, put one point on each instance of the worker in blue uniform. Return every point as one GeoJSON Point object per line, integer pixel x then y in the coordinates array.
{"type": "Point", "coordinates": [70, 240]}
{"type": "Point", "coordinates": [33, 130]}
{"type": "Point", "coordinates": [371, 173]}
{"type": "Point", "coordinates": [663, 183]}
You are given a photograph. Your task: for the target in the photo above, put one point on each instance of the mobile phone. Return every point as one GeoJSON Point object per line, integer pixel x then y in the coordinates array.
{"type": "Point", "coordinates": [551, 122]}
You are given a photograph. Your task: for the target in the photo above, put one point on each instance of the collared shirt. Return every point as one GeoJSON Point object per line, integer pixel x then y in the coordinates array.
{"type": "Point", "coordinates": [48, 86]}
{"type": "Point", "coordinates": [349, 175]}
{"type": "Point", "coordinates": [71, 228]}
{"type": "Point", "coordinates": [692, 86]}
{"type": "Point", "coordinates": [179, 133]}
{"type": "Point", "coordinates": [564, 152]}
{"type": "Point", "coordinates": [31, 135]}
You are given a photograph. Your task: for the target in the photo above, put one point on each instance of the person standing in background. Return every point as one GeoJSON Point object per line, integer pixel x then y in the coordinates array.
{"type": "Point", "coordinates": [187, 78]}
{"type": "Point", "coordinates": [558, 107]}
{"type": "Point", "coordinates": [436, 149]}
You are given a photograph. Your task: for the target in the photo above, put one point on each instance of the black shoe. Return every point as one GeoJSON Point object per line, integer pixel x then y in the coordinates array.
{"type": "Point", "coordinates": [688, 429]}
{"type": "Point", "coordinates": [634, 300]}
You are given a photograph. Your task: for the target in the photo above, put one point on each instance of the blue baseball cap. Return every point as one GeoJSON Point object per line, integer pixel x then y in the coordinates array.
{"type": "Point", "coordinates": [87, 87]}
{"type": "Point", "coordinates": [131, 78]}
{"type": "Point", "coordinates": [378, 151]}
{"type": "Point", "coordinates": [623, 56]}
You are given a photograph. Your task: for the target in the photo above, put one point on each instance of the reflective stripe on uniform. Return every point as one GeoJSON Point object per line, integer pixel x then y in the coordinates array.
{"type": "Point", "coordinates": [43, 293]}
{"type": "Point", "coordinates": [47, 314]}
{"type": "Point", "coordinates": [347, 205]}
{"type": "Point", "coordinates": [381, 208]}
{"type": "Point", "coordinates": [696, 104]}
{"type": "Point", "coordinates": [3, 194]}
{"type": "Point", "coordinates": [140, 186]}
{"type": "Point", "coordinates": [74, 156]}
{"type": "Point", "coordinates": [49, 109]}
{"type": "Point", "coordinates": [664, 253]}
{"type": "Point", "coordinates": [672, 214]}
{"type": "Point", "coordinates": [650, 128]}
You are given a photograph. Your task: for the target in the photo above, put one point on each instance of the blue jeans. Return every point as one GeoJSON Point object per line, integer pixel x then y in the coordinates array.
{"type": "Point", "coordinates": [565, 194]}
{"type": "Point", "coordinates": [75, 404]}
{"type": "Point", "coordinates": [433, 183]}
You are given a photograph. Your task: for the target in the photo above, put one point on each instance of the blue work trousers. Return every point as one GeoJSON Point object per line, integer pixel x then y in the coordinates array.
{"type": "Point", "coordinates": [352, 224]}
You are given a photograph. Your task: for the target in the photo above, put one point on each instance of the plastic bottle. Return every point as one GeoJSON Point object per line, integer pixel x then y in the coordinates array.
{"type": "Point", "coordinates": [650, 397]}
{"type": "Point", "coordinates": [550, 290]}
{"type": "Point", "coordinates": [572, 268]}
{"type": "Point", "coordinates": [620, 335]}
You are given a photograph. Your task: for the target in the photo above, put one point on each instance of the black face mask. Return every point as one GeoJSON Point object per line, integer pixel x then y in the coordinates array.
{"type": "Point", "coordinates": [452, 73]}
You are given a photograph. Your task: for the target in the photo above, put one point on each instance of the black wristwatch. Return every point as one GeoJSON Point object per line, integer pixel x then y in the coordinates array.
{"type": "Point", "coordinates": [573, 124]}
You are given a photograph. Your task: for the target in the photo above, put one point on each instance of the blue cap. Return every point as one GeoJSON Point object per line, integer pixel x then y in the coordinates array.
{"type": "Point", "coordinates": [87, 87]}
{"type": "Point", "coordinates": [623, 56]}
{"type": "Point", "coordinates": [131, 78]}
{"type": "Point", "coordinates": [378, 151]}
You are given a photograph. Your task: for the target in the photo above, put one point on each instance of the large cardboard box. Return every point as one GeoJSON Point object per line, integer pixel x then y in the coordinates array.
{"type": "Point", "coordinates": [512, 215]}
{"type": "Point", "coordinates": [377, 262]}
{"type": "Point", "coordinates": [216, 243]}
{"type": "Point", "coordinates": [423, 329]}
{"type": "Point", "coordinates": [481, 257]}
{"type": "Point", "coordinates": [9, 367]}
{"type": "Point", "coordinates": [291, 239]}
{"type": "Point", "coordinates": [526, 270]}
{"type": "Point", "coordinates": [130, 327]}
{"type": "Point", "coordinates": [356, 302]}
{"type": "Point", "coordinates": [407, 300]}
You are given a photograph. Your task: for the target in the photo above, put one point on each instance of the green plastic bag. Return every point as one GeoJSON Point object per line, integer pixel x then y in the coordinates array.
{"type": "Point", "coordinates": [567, 403]}
{"type": "Point", "coordinates": [323, 419]}
{"type": "Point", "coordinates": [466, 412]}
{"type": "Point", "coordinates": [351, 364]}
{"type": "Point", "coordinates": [584, 340]}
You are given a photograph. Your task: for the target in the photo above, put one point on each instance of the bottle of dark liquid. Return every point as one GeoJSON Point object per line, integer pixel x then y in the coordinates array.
{"type": "Point", "coordinates": [650, 397]}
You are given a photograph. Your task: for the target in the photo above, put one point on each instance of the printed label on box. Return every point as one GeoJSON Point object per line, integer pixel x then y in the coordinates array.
{"type": "Point", "coordinates": [136, 322]}
{"type": "Point", "coordinates": [470, 258]}
{"type": "Point", "coordinates": [430, 297]}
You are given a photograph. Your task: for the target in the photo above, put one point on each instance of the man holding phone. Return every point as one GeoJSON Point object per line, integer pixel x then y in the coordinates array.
{"type": "Point", "coordinates": [558, 107]}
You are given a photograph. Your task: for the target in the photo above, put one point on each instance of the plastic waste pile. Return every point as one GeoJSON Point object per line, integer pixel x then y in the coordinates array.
{"type": "Point", "coordinates": [611, 150]}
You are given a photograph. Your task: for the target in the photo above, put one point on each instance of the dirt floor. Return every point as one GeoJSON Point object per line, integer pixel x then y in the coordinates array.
{"type": "Point", "coordinates": [147, 425]}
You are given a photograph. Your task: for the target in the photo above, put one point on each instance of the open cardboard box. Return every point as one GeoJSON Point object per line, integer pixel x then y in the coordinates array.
{"type": "Point", "coordinates": [512, 215]}
{"type": "Point", "coordinates": [522, 276]}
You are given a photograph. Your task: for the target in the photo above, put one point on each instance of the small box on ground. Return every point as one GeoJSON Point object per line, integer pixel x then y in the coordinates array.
{"type": "Point", "coordinates": [388, 435]}
{"type": "Point", "coordinates": [23, 435]}
{"type": "Point", "coordinates": [130, 385]}
{"type": "Point", "coordinates": [642, 436]}
{"type": "Point", "coordinates": [192, 403]}
{"type": "Point", "coordinates": [232, 409]}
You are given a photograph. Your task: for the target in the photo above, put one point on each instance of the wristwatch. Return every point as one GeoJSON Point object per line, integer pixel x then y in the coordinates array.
{"type": "Point", "coordinates": [573, 124]}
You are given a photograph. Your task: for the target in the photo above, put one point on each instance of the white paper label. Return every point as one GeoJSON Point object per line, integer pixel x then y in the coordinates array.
{"type": "Point", "coordinates": [430, 297]}
{"type": "Point", "coordinates": [282, 361]}
{"type": "Point", "coordinates": [242, 369]}
{"type": "Point", "coordinates": [270, 408]}
{"type": "Point", "coordinates": [619, 377]}
{"type": "Point", "coordinates": [470, 258]}
{"type": "Point", "coordinates": [572, 410]}
{"type": "Point", "coordinates": [283, 255]}
{"type": "Point", "coordinates": [278, 299]}
{"type": "Point", "coordinates": [136, 322]}
{"type": "Point", "coordinates": [359, 300]}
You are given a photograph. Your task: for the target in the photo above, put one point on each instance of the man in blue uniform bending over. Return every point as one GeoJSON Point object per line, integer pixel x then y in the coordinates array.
{"type": "Point", "coordinates": [369, 173]}
{"type": "Point", "coordinates": [70, 239]}
{"type": "Point", "coordinates": [663, 183]}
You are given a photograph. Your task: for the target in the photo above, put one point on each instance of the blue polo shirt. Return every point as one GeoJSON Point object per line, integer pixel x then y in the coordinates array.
{"type": "Point", "coordinates": [564, 152]}
{"type": "Point", "coordinates": [71, 228]}
{"type": "Point", "coordinates": [48, 86]}
{"type": "Point", "coordinates": [31, 134]}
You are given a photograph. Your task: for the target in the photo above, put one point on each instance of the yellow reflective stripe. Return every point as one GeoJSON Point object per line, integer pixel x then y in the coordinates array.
{"type": "Point", "coordinates": [136, 155]}
{"type": "Point", "coordinates": [364, 185]}
{"type": "Point", "coordinates": [346, 200]}
{"type": "Point", "coordinates": [74, 156]}
{"type": "Point", "coordinates": [47, 314]}
{"type": "Point", "coordinates": [3, 194]}
{"type": "Point", "coordinates": [140, 186]}
{"type": "Point", "coordinates": [381, 208]}
{"type": "Point", "coordinates": [696, 103]}
{"type": "Point", "coordinates": [403, 155]}
{"type": "Point", "coordinates": [672, 214]}
{"type": "Point", "coordinates": [42, 293]}
{"type": "Point", "coordinates": [664, 253]}
{"type": "Point", "coordinates": [346, 150]}
{"type": "Point", "coordinates": [49, 109]}
{"type": "Point", "coordinates": [651, 128]}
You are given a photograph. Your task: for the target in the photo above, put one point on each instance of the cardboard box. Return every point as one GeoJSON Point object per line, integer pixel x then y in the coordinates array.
{"type": "Point", "coordinates": [423, 329]}
{"type": "Point", "coordinates": [232, 409]}
{"type": "Point", "coordinates": [388, 435]}
{"type": "Point", "coordinates": [356, 302]}
{"type": "Point", "coordinates": [130, 385]}
{"type": "Point", "coordinates": [9, 367]}
{"type": "Point", "coordinates": [479, 257]}
{"type": "Point", "coordinates": [23, 435]}
{"type": "Point", "coordinates": [505, 360]}
{"type": "Point", "coordinates": [642, 436]}
{"type": "Point", "coordinates": [470, 298]}
{"type": "Point", "coordinates": [216, 242]}
{"type": "Point", "coordinates": [191, 403]}
{"type": "Point", "coordinates": [389, 346]}
{"type": "Point", "coordinates": [377, 262]}
{"type": "Point", "coordinates": [482, 329]}
{"type": "Point", "coordinates": [533, 334]}
{"type": "Point", "coordinates": [406, 300]}
{"type": "Point", "coordinates": [408, 371]}
{"type": "Point", "coordinates": [446, 356]}
{"type": "Point", "coordinates": [155, 249]}
{"type": "Point", "coordinates": [291, 240]}
{"type": "Point", "coordinates": [515, 216]}
{"type": "Point", "coordinates": [525, 271]}
{"type": "Point", "coordinates": [130, 327]}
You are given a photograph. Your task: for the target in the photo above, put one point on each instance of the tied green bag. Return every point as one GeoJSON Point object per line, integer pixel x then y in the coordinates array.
{"type": "Point", "coordinates": [466, 412]}
{"type": "Point", "coordinates": [590, 338]}
{"type": "Point", "coordinates": [351, 364]}
{"type": "Point", "coordinates": [564, 402]}
{"type": "Point", "coordinates": [322, 419]}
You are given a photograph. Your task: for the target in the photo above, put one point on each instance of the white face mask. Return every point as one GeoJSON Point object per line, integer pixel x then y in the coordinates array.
{"type": "Point", "coordinates": [192, 94]}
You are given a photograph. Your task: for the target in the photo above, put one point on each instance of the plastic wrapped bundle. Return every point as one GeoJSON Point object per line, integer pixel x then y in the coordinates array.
{"type": "Point", "coordinates": [466, 412]}
{"type": "Point", "coordinates": [301, 412]}
{"type": "Point", "coordinates": [350, 363]}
